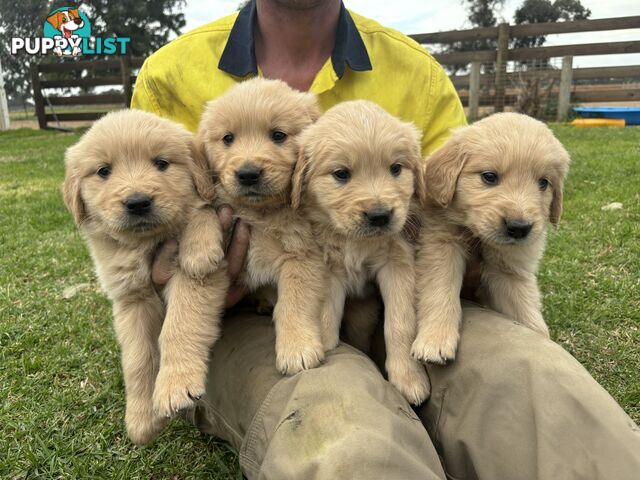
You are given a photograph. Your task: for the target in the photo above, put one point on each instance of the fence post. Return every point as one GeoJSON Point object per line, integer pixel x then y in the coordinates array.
{"type": "Point", "coordinates": [501, 65]}
{"type": "Point", "coordinates": [4, 107]}
{"type": "Point", "coordinates": [474, 91]}
{"type": "Point", "coordinates": [125, 67]}
{"type": "Point", "coordinates": [564, 95]}
{"type": "Point", "coordinates": [37, 96]}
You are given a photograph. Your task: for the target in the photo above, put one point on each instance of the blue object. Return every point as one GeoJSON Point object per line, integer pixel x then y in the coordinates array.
{"type": "Point", "coordinates": [631, 115]}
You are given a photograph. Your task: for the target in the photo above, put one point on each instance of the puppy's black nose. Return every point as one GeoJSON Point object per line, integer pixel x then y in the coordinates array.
{"type": "Point", "coordinates": [517, 229]}
{"type": "Point", "coordinates": [378, 217]}
{"type": "Point", "coordinates": [77, 21]}
{"type": "Point", "coordinates": [248, 175]}
{"type": "Point", "coordinates": [138, 204]}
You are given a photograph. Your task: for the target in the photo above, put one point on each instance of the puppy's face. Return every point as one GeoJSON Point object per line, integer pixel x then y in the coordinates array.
{"type": "Point", "coordinates": [248, 135]}
{"type": "Point", "coordinates": [358, 169]}
{"type": "Point", "coordinates": [132, 173]}
{"type": "Point", "coordinates": [504, 175]}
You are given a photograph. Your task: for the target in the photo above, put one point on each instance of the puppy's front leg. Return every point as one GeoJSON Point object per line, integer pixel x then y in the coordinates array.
{"type": "Point", "coordinates": [296, 315]}
{"type": "Point", "coordinates": [191, 326]}
{"type": "Point", "coordinates": [201, 249]}
{"type": "Point", "coordinates": [137, 322]}
{"type": "Point", "coordinates": [396, 280]}
{"type": "Point", "coordinates": [516, 295]}
{"type": "Point", "coordinates": [332, 310]}
{"type": "Point", "coordinates": [440, 265]}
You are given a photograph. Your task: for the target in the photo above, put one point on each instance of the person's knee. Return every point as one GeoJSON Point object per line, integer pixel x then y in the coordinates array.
{"type": "Point", "coordinates": [495, 351]}
{"type": "Point", "coordinates": [345, 411]}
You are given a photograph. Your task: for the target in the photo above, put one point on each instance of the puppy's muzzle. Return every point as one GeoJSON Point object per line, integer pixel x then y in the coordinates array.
{"type": "Point", "coordinates": [378, 217]}
{"type": "Point", "coordinates": [517, 229]}
{"type": "Point", "coordinates": [248, 175]}
{"type": "Point", "coordinates": [138, 204]}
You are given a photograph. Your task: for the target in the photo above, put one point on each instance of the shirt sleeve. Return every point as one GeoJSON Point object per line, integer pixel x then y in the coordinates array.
{"type": "Point", "coordinates": [444, 111]}
{"type": "Point", "coordinates": [143, 96]}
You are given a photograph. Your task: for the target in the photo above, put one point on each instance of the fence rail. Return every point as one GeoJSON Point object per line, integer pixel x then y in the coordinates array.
{"type": "Point", "coordinates": [473, 84]}
{"type": "Point", "coordinates": [475, 88]}
{"type": "Point", "coordinates": [44, 103]}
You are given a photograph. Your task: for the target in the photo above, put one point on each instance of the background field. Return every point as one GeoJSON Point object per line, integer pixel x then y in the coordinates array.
{"type": "Point", "coordinates": [60, 383]}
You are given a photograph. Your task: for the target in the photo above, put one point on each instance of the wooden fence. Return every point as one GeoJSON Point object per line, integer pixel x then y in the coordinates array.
{"type": "Point", "coordinates": [99, 73]}
{"type": "Point", "coordinates": [469, 85]}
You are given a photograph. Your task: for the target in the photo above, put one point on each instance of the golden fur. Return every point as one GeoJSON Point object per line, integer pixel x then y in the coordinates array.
{"type": "Point", "coordinates": [360, 138]}
{"type": "Point", "coordinates": [282, 251]}
{"type": "Point", "coordinates": [134, 145]}
{"type": "Point", "coordinates": [463, 210]}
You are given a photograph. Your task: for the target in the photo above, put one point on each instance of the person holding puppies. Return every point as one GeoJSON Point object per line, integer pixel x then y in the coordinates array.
{"type": "Point", "coordinates": [512, 405]}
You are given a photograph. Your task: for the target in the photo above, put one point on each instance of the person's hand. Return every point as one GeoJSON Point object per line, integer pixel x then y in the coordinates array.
{"type": "Point", "coordinates": [236, 237]}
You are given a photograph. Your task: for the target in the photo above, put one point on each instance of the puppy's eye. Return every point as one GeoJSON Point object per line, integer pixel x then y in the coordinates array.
{"type": "Point", "coordinates": [104, 171]}
{"type": "Point", "coordinates": [342, 175]}
{"type": "Point", "coordinates": [278, 136]}
{"type": "Point", "coordinates": [543, 183]}
{"type": "Point", "coordinates": [228, 139]}
{"type": "Point", "coordinates": [161, 164]}
{"type": "Point", "coordinates": [395, 169]}
{"type": "Point", "coordinates": [490, 178]}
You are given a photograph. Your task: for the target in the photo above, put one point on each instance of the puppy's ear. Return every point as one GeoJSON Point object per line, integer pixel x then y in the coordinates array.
{"type": "Point", "coordinates": [556, 206]}
{"type": "Point", "coordinates": [299, 179]}
{"type": "Point", "coordinates": [442, 171]}
{"type": "Point", "coordinates": [417, 163]}
{"type": "Point", "coordinates": [201, 170]}
{"type": "Point", "coordinates": [74, 12]}
{"type": "Point", "coordinates": [71, 189]}
{"type": "Point", "coordinates": [311, 107]}
{"type": "Point", "coordinates": [55, 20]}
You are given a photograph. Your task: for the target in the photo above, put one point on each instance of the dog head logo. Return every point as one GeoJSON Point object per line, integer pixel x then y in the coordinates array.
{"type": "Point", "coordinates": [68, 26]}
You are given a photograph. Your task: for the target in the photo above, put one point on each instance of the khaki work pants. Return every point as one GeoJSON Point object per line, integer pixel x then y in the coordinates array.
{"type": "Point", "coordinates": [512, 406]}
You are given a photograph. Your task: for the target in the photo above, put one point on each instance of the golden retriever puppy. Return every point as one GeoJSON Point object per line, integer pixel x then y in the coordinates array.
{"type": "Point", "coordinates": [248, 134]}
{"type": "Point", "coordinates": [494, 185]}
{"type": "Point", "coordinates": [132, 181]}
{"type": "Point", "coordinates": [358, 173]}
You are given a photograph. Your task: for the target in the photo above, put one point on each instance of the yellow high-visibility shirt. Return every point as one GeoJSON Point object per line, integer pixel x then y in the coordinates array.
{"type": "Point", "coordinates": [369, 62]}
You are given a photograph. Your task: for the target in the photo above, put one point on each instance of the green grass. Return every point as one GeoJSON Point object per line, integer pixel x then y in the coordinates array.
{"type": "Point", "coordinates": [61, 414]}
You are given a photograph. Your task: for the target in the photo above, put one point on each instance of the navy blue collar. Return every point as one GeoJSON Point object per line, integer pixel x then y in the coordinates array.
{"type": "Point", "coordinates": [239, 55]}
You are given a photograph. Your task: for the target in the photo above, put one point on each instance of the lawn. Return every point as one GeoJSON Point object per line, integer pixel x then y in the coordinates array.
{"type": "Point", "coordinates": [62, 410]}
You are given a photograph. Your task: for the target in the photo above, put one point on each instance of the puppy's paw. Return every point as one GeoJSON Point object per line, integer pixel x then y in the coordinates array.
{"type": "Point", "coordinates": [410, 378]}
{"type": "Point", "coordinates": [143, 425]}
{"type": "Point", "coordinates": [177, 390]}
{"type": "Point", "coordinates": [200, 262]}
{"type": "Point", "coordinates": [436, 345]}
{"type": "Point", "coordinates": [295, 356]}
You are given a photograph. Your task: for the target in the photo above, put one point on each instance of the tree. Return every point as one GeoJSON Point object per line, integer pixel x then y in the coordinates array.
{"type": "Point", "coordinates": [25, 21]}
{"type": "Point", "coordinates": [538, 11]}
{"type": "Point", "coordinates": [480, 13]}
{"type": "Point", "coordinates": [149, 24]}
{"type": "Point", "coordinates": [535, 93]}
